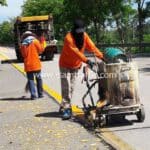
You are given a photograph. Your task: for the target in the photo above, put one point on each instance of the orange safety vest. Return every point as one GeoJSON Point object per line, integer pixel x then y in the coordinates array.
{"type": "Point", "coordinates": [71, 57]}
{"type": "Point", "coordinates": [30, 54]}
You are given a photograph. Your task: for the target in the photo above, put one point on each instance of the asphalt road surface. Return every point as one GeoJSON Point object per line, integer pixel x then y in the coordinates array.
{"type": "Point", "coordinates": [135, 134]}
{"type": "Point", "coordinates": [36, 124]}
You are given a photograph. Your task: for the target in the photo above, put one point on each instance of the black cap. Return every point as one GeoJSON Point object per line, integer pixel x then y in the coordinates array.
{"type": "Point", "coordinates": [79, 26]}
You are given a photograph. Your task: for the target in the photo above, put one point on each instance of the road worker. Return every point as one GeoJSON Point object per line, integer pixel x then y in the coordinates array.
{"type": "Point", "coordinates": [70, 62]}
{"type": "Point", "coordinates": [30, 50]}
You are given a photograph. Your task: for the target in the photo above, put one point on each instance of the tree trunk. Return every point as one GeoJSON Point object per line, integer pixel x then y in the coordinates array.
{"type": "Point", "coordinates": [140, 26]}
{"type": "Point", "coordinates": [120, 32]}
{"type": "Point", "coordinates": [96, 31]}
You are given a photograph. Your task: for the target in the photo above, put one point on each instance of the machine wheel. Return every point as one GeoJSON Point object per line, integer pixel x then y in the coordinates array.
{"type": "Point", "coordinates": [141, 114]}
{"type": "Point", "coordinates": [101, 121]}
{"type": "Point", "coordinates": [48, 54]}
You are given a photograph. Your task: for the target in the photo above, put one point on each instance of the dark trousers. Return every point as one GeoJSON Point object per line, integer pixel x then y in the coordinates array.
{"type": "Point", "coordinates": [37, 75]}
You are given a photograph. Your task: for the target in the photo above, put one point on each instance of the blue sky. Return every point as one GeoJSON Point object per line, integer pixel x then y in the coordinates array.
{"type": "Point", "coordinates": [12, 10]}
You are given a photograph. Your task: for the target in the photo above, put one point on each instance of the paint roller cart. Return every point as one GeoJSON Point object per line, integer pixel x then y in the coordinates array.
{"type": "Point", "coordinates": [118, 90]}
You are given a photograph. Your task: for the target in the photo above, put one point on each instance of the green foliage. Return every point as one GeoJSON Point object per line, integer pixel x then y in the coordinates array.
{"type": "Point", "coordinates": [45, 7]}
{"type": "Point", "coordinates": [94, 12]}
{"type": "Point", "coordinates": [6, 35]}
{"type": "Point", "coordinates": [111, 37]}
{"type": "Point", "coordinates": [3, 2]}
{"type": "Point", "coordinates": [147, 38]}
{"type": "Point", "coordinates": [106, 22]}
{"type": "Point", "coordinates": [98, 14]}
{"type": "Point", "coordinates": [147, 10]}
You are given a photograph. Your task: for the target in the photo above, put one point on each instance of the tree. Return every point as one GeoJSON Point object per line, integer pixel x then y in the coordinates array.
{"type": "Point", "coordinates": [3, 2]}
{"type": "Point", "coordinates": [101, 13]}
{"type": "Point", "coordinates": [99, 16]}
{"type": "Point", "coordinates": [44, 7]}
{"type": "Point", "coordinates": [142, 14]}
{"type": "Point", "coordinates": [121, 14]}
{"type": "Point", "coordinates": [6, 35]}
{"type": "Point", "coordinates": [93, 12]}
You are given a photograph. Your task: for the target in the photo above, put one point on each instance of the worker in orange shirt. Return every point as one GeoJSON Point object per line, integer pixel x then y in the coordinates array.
{"type": "Point", "coordinates": [70, 62]}
{"type": "Point", "coordinates": [30, 50]}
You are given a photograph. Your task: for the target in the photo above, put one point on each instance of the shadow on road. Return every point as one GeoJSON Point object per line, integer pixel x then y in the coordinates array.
{"type": "Point", "coordinates": [119, 123]}
{"type": "Point", "coordinates": [49, 114]}
{"type": "Point", "coordinates": [82, 121]}
{"type": "Point", "coordinates": [15, 99]}
{"type": "Point", "coordinates": [85, 123]}
{"type": "Point", "coordinates": [9, 61]}
{"type": "Point", "coordinates": [144, 69]}
{"type": "Point", "coordinates": [110, 124]}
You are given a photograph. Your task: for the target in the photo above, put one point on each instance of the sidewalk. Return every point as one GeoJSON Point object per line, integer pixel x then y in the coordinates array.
{"type": "Point", "coordinates": [36, 125]}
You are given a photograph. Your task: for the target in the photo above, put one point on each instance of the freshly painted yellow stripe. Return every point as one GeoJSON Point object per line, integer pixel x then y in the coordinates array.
{"type": "Point", "coordinates": [106, 134]}
{"type": "Point", "coordinates": [3, 57]}
{"type": "Point", "coordinates": [20, 69]}
{"type": "Point", "coordinates": [52, 93]}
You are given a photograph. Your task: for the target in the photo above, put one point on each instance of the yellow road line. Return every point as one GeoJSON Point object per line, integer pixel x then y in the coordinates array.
{"type": "Point", "coordinates": [1, 57]}
{"type": "Point", "coordinates": [46, 88]}
{"type": "Point", "coordinates": [106, 134]}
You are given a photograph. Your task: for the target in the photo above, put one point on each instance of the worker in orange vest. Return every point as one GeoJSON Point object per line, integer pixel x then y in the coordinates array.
{"type": "Point", "coordinates": [30, 50]}
{"type": "Point", "coordinates": [70, 61]}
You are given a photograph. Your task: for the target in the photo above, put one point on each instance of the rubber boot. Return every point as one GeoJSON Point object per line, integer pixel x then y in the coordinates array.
{"type": "Point", "coordinates": [66, 114]}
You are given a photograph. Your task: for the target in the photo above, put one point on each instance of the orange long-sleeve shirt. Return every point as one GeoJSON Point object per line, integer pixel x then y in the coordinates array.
{"type": "Point", "coordinates": [30, 54]}
{"type": "Point", "coordinates": [71, 57]}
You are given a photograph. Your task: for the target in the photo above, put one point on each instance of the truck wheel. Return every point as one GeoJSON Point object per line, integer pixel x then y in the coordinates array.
{"type": "Point", "coordinates": [42, 58]}
{"type": "Point", "coordinates": [50, 56]}
{"type": "Point", "coordinates": [47, 55]}
{"type": "Point", "coordinates": [141, 114]}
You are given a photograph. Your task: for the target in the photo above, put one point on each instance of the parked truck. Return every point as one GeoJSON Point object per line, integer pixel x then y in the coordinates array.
{"type": "Point", "coordinates": [39, 25]}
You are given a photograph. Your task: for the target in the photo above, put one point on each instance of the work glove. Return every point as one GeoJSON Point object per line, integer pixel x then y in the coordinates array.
{"type": "Point", "coordinates": [104, 59]}
{"type": "Point", "coordinates": [90, 63]}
